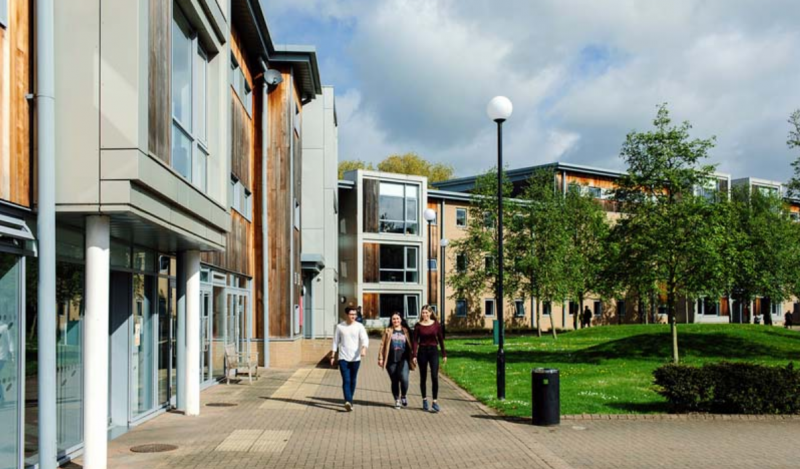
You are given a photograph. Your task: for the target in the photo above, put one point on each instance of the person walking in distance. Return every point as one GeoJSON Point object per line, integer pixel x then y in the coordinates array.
{"type": "Point", "coordinates": [395, 356]}
{"type": "Point", "coordinates": [428, 337]}
{"type": "Point", "coordinates": [351, 342]}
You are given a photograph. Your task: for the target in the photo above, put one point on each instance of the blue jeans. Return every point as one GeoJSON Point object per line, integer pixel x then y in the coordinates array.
{"type": "Point", "coordinates": [398, 373]}
{"type": "Point", "coordinates": [349, 371]}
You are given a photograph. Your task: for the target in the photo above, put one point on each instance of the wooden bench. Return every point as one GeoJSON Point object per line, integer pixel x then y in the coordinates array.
{"type": "Point", "coordinates": [240, 363]}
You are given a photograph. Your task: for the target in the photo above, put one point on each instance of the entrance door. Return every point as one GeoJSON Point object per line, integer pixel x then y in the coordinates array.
{"type": "Point", "coordinates": [206, 335]}
{"type": "Point", "coordinates": [165, 341]}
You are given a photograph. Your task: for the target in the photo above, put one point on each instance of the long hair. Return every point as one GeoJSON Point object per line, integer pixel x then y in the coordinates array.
{"type": "Point", "coordinates": [429, 309]}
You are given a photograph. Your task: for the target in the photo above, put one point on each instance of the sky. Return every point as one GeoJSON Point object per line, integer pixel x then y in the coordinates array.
{"type": "Point", "coordinates": [416, 75]}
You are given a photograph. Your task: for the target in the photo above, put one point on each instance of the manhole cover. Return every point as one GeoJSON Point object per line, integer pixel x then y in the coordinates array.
{"type": "Point", "coordinates": [153, 448]}
{"type": "Point", "coordinates": [221, 404]}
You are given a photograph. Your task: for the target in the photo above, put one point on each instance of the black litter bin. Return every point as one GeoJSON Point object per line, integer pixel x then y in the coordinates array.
{"type": "Point", "coordinates": [545, 396]}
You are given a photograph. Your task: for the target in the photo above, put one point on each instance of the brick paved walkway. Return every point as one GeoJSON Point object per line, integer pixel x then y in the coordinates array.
{"type": "Point", "coordinates": [294, 419]}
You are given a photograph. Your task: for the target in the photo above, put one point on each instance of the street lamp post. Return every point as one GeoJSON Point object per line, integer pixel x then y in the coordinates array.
{"type": "Point", "coordinates": [430, 216]}
{"type": "Point", "coordinates": [499, 109]}
{"type": "Point", "coordinates": [443, 243]}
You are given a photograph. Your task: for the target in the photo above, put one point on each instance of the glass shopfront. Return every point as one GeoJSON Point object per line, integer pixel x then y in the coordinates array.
{"type": "Point", "coordinates": [226, 320]}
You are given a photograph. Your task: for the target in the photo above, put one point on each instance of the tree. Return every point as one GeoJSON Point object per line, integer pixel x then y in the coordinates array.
{"type": "Point", "coordinates": [352, 165]}
{"type": "Point", "coordinates": [539, 244]}
{"type": "Point", "coordinates": [793, 141]}
{"type": "Point", "coordinates": [476, 268]}
{"type": "Point", "coordinates": [766, 247]}
{"type": "Point", "coordinates": [412, 163]}
{"type": "Point", "coordinates": [588, 230]}
{"type": "Point", "coordinates": [668, 226]}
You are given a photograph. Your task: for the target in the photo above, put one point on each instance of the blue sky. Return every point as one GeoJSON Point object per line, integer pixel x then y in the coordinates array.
{"type": "Point", "coordinates": [415, 75]}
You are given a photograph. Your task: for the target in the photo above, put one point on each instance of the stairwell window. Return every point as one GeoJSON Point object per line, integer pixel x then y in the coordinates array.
{"type": "Point", "coordinates": [190, 151]}
{"type": "Point", "coordinates": [4, 13]}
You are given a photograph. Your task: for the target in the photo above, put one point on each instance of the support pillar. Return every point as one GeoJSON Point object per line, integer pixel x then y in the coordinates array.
{"type": "Point", "coordinates": [191, 266]}
{"type": "Point", "coordinates": [180, 342]}
{"type": "Point", "coordinates": [95, 344]}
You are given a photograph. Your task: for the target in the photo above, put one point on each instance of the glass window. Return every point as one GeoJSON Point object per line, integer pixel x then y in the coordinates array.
{"type": "Point", "coordinates": [488, 307]}
{"type": "Point", "coordinates": [143, 259]}
{"type": "Point", "coordinates": [182, 71]}
{"type": "Point", "coordinates": [488, 263]}
{"type": "Point", "coordinates": [621, 308]}
{"type": "Point", "coordinates": [120, 255]}
{"type": "Point", "coordinates": [398, 263]}
{"type": "Point", "coordinates": [248, 204]}
{"type": "Point", "coordinates": [461, 217]}
{"type": "Point", "coordinates": [598, 308]}
{"type": "Point", "coordinates": [595, 192]}
{"type": "Point", "coordinates": [4, 13]}
{"type": "Point", "coordinates": [142, 345]}
{"type": "Point", "coordinates": [189, 153]}
{"type": "Point", "coordinates": [461, 263]}
{"type": "Point", "coordinates": [236, 201]}
{"type": "Point", "coordinates": [398, 208]}
{"type": "Point", "coordinates": [488, 220]}
{"type": "Point", "coordinates": [519, 308]}
{"type": "Point", "coordinates": [412, 306]}
{"type": "Point", "coordinates": [69, 354]}
{"type": "Point", "coordinates": [461, 308]}
{"type": "Point", "coordinates": [547, 308]}
{"type": "Point", "coordinates": [390, 304]}
{"type": "Point", "coordinates": [10, 301]}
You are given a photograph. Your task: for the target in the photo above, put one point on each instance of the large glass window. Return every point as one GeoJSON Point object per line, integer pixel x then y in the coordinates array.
{"type": "Point", "coordinates": [399, 263]}
{"type": "Point", "coordinates": [142, 345]}
{"type": "Point", "coordinates": [461, 217]}
{"type": "Point", "coordinates": [69, 354]}
{"type": "Point", "coordinates": [189, 103]}
{"type": "Point", "coordinates": [461, 308]}
{"type": "Point", "coordinates": [399, 208]}
{"type": "Point", "coordinates": [9, 360]}
{"type": "Point", "coordinates": [406, 305]}
{"type": "Point", "coordinates": [519, 308]}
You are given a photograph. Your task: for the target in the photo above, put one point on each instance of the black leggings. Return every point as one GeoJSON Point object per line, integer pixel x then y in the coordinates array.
{"type": "Point", "coordinates": [398, 372]}
{"type": "Point", "coordinates": [425, 356]}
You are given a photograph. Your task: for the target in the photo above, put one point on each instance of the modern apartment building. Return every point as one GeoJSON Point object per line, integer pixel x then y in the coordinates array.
{"type": "Point", "coordinates": [451, 202]}
{"type": "Point", "coordinates": [176, 150]}
{"type": "Point", "coordinates": [382, 245]}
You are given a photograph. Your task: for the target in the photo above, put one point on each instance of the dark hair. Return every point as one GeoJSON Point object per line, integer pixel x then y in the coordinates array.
{"type": "Point", "coordinates": [349, 308]}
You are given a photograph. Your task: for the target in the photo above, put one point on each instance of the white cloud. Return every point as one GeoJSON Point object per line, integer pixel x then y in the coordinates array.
{"type": "Point", "coordinates": [581, 74]}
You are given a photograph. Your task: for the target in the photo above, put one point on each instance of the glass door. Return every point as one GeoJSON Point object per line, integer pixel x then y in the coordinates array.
{"type": "Point", "coordinates": [10, 300]}
{"type": "Point", "coordinates": [206, 325]}
{"type": "Point", "coordinates": [164, 340]}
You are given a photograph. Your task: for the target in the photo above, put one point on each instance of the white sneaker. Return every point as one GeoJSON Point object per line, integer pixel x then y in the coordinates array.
{"type": "Point", "coordinates": [398, 404]}
{"type": "Point", "coordinates": [348, 406]}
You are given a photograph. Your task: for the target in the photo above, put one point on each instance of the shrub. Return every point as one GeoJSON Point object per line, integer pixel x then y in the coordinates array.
{"type": "Point", "coordinates": [730, 388]}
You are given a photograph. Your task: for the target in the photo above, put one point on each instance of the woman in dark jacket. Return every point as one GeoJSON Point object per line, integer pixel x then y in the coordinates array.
{"type": "Point", "coordinates": [428, 337]}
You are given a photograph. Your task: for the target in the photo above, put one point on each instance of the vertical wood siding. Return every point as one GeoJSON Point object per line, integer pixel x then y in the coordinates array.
{"type": "Point", "coordinates": [371, 206]}
{"type": "Point", "coordinates": [241, 143]}
{"type": "Point", "coordinates": [369, 309]}
{"type": "Point", "coordinates": [159, 89]}
{"type": "Point", "coordinates": [15, 111]}
{"type": "Point", "coordinates": [371, 262]}
{"type": "Point", "coordinates": [279, 208]}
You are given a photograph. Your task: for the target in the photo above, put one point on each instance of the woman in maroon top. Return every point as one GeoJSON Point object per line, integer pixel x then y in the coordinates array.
{"type": "Point", "coordinates": [427, 339]}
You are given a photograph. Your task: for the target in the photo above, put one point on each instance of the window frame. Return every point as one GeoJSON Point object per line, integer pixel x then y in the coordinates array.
{"type": "Point", "coordinates": [200, 153]}
{"type": "Point", "coordinates": [406, 269]}
{"type": "Point", "coordinates": [406, 222]}
{"type": "Point", "coordinates": [517, 304]}
{"type": "Point", "coordinates": [487, 301]}
{"type": "Point", "coordinates": [458, 212]}
{"type": "Point", "coordinates": [463, 303]}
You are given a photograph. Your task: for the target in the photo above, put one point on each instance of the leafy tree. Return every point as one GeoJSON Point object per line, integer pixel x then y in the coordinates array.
{"type": "Point", "coordinates": [793, 141]}
{"type": "Point", "coordinates": [668, 228]}
{"type": "Point", "coordinates": [588, 229]}
{"type": "Point", "coordinates": [412, 163]}
{"type": "Point", "coordinates": [539, 244]}
{"type": "Point", "coordinates": [352, 165]}
{"type": "Point", "coordinates": [478, 271]}
{"type": "Point", "coordinates": [766, 247]}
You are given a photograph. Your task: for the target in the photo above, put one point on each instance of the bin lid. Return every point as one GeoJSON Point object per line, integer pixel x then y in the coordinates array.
{"type": "Point", "coordinates": [540, 371]}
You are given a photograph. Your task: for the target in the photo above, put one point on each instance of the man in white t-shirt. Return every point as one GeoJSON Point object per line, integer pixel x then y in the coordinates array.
{"type": "Point", "coordinates": [351, 342]}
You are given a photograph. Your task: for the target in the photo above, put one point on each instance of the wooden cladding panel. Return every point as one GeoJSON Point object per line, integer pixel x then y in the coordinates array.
{"type": "Point", "coordinates": [238, 250]}
{"type": "Point", "coordinates": [15, 111]}
{"type": "Point", "coordinates": [371, 262]}
{"type": "Point", "coordinates": [371, 207]}
{"type": "Point", "coordinates": [369, 309]}
{"type": "Point", "coordinates": [279, 209]}
{"type": "Point", "coordinates": [241, 143]}
{"type": "Point", "coordinates": [594, 181]}
{"type": "Point", "coordinates": [159, 90]}
{"type": "Point", "coordinates": [434, 299]}
{"type": "Point", "coordinates": [258, 209]}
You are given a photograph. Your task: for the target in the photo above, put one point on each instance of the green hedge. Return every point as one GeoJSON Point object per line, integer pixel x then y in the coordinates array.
{"type": "Point", "coordinates": [730, 388]}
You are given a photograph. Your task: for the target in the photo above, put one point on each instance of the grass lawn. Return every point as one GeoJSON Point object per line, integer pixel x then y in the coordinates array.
{"type": "Point", "coordinates": [608, 369]}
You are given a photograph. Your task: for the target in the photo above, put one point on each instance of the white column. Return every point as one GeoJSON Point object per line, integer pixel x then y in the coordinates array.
{"type": "Point", "coordinates": [192, 369]}
{"type": "Point", "coordinates": [95, 344]}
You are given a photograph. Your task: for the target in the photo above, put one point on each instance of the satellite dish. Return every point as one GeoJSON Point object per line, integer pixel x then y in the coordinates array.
{"type": "Point", "coordinates": [273, 77]}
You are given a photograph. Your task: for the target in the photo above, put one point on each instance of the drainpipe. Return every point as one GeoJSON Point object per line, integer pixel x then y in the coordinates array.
{"type": "Point", "coordinates": [264, 214]}
{"type": "Point", "coordinates": [46, 227]}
